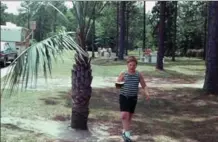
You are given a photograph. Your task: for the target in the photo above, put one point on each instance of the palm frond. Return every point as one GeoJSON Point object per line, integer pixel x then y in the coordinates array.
{"type": "Point", "coordinates": [26, 66]}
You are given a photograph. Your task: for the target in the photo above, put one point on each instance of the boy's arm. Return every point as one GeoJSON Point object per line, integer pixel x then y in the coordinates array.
{"type": "Point", "coordinates": [144, 86]}
{"type": "Point", "coordinates": [120, 77]}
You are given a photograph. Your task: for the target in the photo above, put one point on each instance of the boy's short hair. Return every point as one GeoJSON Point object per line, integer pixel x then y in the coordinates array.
{"type": "Point", "coordinates": [132, 59]}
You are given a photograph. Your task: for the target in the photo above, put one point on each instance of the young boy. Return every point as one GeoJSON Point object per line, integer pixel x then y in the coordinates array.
{"type": "Point", "coordinates": [129, 94]}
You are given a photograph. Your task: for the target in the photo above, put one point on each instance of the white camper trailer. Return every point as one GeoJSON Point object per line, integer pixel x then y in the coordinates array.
{"type": "Point", "coordinates": [15, 36]}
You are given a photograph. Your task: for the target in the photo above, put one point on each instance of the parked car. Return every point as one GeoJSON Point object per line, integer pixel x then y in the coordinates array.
{"type": "Point", "coordinates": [7, 54]}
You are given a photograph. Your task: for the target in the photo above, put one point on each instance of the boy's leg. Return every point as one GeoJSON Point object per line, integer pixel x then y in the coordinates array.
{"type": "Point", "coordinates": [126, 124]}
{"type": "Point", "coordinates": [130, 118]}
{"type": "Point", "coordinates": [132, 105]}
{"type": "Point", "coordinates": [124, 108]}
{"type": "Point", "coordinates": [125, 120]}
{"type": "Point", "coordinates": [125, 114]}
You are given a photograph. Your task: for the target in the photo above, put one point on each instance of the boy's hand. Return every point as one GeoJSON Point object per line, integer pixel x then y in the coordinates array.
{"type": "Point", "coordinates": [144, 87]}
{"type": "Point", "coordinates": [147, 97]}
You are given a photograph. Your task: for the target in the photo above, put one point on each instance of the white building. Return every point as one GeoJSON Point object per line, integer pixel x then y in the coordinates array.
{"type": "Point", "coordinates": [16, 36]}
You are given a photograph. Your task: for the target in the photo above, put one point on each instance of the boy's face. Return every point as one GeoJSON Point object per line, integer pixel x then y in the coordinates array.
{"type": "Point", "coordinates": [131, 66]}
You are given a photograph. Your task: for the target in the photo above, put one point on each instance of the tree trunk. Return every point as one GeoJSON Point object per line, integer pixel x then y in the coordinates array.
{"type": "Point", "coordinates": [144, 27]}
{"type": "Point", "coordinates": [205, 31]}
{"type": "Point", "coordinates": [211, 77]}
{"type": "Point", "coordinates": [81, 94]}
{"type": "Point", "coordinates": [28, 18]}
{"type": "Point", "coordinates": [55, 21]}
{"type": "Point", "coordinates": [93, 36]}
{"type": "Point", "coordinates": [169, 29]}
{"type": "Point", "coordinates": [122, 29]}
{"type": "Point", "coordinates": [174, 30]}
{"type": "Point", "coordinates": [117, 49]}
{"type": "Point", "coordinates": [127, 31]}
{"type": "Point", "coordinates": [81, 88]}
{"type": "Point", "coordinates": [38, 31]}
{"type": "Point", "coordinates": [160, 54]}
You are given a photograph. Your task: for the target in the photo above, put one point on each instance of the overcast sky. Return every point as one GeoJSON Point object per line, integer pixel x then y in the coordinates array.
{"type": "Point", "coordinates": [13, 6]}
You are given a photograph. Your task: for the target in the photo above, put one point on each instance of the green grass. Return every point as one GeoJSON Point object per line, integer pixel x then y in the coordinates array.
{"type": "Point", "coordinates": [63, 66]}
{"type": "Point", "coordinates": [185, 68]}
{"type": "Point", "coordinates": [33, 103]}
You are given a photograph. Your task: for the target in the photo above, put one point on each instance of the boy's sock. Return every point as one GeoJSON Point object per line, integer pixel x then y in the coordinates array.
{"type": "Point", "coordinates": [127, 134]}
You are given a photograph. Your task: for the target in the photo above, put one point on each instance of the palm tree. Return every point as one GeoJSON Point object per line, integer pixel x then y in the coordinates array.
{"type": "Point", "coordinates": [41, 54]}
{"type": "Point", "coordinates": [211, 77]}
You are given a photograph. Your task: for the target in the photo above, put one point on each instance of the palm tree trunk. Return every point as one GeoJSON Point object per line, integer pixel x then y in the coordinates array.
{"type": "Point", "coordinates": [160, 54]}
{"type": "Point", "coordinates": [81, 88]}
{"type": "Point", "coordinates": [211, 77]}
{"type": "Point", "coordinates": [81, 94]}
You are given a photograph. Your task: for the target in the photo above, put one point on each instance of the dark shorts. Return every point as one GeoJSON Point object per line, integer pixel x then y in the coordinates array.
{"type": "Point", "coordinates": [128, 104]}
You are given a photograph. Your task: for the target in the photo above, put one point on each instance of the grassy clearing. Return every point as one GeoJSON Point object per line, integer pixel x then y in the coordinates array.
{"type": "Point", "coordinates": [186, 69]}
{"type": "Point", "coordinates": [172, 114]}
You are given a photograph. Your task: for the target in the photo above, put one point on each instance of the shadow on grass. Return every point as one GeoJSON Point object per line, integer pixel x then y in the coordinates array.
{"type": "Point", "coordinates": [168, 62]}
{"type": "Point", "coordinates": [185, 62]}
{"type": "Point", "coordinates": [50, 101]}
{"type": "Point", "coordinates": [14, 127]}
{"type": "Point", "coordinates": [172, 76]}
{"type": "Point", "coordinates": [110, 62]}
